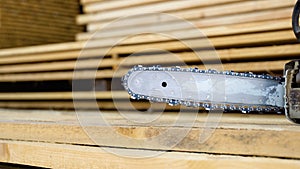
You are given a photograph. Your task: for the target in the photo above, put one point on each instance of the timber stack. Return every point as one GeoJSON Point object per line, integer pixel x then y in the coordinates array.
{"type": "Point", "coordinates": [41, 124]}
{"type": "Point", "coordinates": [246, 35]}
{"type": "Point", "coordinates": [35, 22]}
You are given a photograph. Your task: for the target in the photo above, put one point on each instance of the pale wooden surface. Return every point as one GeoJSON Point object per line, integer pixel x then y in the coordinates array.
{"type": "Point", "coordinates": [237, 134]}
{"type": "Point", "coordinates": [224, 54]}
{"type": "Point", "coordinates": [63, 95]}
{"type": "Point", "coordinates": [268, 66]}
{"type": "Point", "coordinates": [77, 157]}
{"type": "Point", "coordinates": [160, 7]}
{"type": "Point", "coordinates": [85, 105]}
{"type": "Point", "coordinates": [55, 139]}
{"type": "Point", "coordinates": [264, 15]}
{"type": "Point", "coordinates": [256, 38]}
{"type": "Point", "coordinates": [113, 5]}
{"type": "Point", "coordinates": [230, 41]}
{"type": "Point", "coordinates": [218, 30]}
{"type": "Point", "coordinates": [248, 36]}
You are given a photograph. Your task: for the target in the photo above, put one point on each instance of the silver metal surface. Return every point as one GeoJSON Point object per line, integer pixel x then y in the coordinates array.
{"type": "Point", "coordinates": [210, 89]}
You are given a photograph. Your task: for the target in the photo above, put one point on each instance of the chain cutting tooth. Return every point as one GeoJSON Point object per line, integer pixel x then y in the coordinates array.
{"type": "Point", "coordinates": [173, 102]}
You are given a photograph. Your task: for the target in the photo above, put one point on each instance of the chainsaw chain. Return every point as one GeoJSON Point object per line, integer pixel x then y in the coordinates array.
{"type": "Point", "coordinates": [206, 105]}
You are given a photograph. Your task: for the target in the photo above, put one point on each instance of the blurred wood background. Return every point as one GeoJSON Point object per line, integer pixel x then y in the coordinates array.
{"type": "Point", "coordinates": [38, 123]}
{"type": "Point", "coordinates": [35, 22]}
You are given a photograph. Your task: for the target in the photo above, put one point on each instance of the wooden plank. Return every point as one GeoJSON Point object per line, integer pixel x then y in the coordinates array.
{"type": "Point", "coordinates": [264, 66]}
{"type": "Point", "coordinates": [250, 66]}
{"type": "Point", "coordinates": [221, 30]}
{"type": "Point", "coordinates": [44, 105]}
{"type": "Point", "coordinates": [86, 105]}
{"type": "Point", "coordinates": [218, 42]}
{"type": "Point", "coordinates": [275, 37]}
{"type": "Point", "coordinates": [230, 41]}
{"type": "Point", "coordinates": [66, 2]}
{"type": "Point", "coordinates": [56, 66]}
{"type": "Point", "coordinates": [42, 49]}
{"type": "Point", "coordinates": [251, 121]}
{"type": "Point", "coordinates": [90, 1]}
{"type": "Point", "coordinates": [267, 52]}
{"type": "Point", "coordinates": [68, 75]}
{"type": "Point", "coordinates": [50, 56]}
{"type": "Point", "coordinates": [114, 5]}
{"type": "Point", "coordinates": [70, 156]}
{"type": "Point", "coordinates": [241, 54]}
{"type": "Point", "coordinates": [218, 10]}
{"type": "Point", "coordinates": [159, 7]}
{"type": "Point", "coordinates": [233, 8]}
{"type": "Point", "coordinates": [50, 76]}
{"type": "Point", "coordinates": [237, 134]}
{"type": "Point", "coordinates": [153, 19]}
{"type": "Point", "coordinates": [63, 95]}
{"type": "Point", "coordinates": [102, 74]}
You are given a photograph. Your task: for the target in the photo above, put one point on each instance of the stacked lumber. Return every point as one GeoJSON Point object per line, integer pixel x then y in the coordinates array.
{"type": "Point", "coordinates": [251, 32]}
{"type": "Point", "coordinates": [54, 64]}
{"type": "Point", "coordinates": [34, 22]}
{"type": "Point", "coordinates": [247, 36]}
{"type": "Point", "coordinates": [55, 139]}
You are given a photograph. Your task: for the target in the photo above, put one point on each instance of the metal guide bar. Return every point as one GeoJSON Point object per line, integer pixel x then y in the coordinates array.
{"type": "Point", "coordinates": [245, 108]}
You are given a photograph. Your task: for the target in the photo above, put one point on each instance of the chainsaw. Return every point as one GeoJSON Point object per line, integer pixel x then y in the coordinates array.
{"type": "Point", "coordinates": [225, 90]}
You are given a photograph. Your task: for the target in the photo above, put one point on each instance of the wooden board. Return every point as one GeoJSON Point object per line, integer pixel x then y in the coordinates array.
{"type": "Point", "coordinates": [104, 74]}
{"type": "Point", "coordinates": [236, 134]}
{"type": "Point", "coordinates": [235, 54]}
{"type": "Point", "coordinates": [159, 7]}
{"type": "Point", "coordinates": [63, 95]}
{"type": "Point", "coordinates": [114, 5]}
{"type": "Point", "coordinates": [278, 51]}
{"type": "Point", "coordinates": [56, 66]}
{"type": "Point", "coordinates": [201, 13]}
{"type": "Point", "coordinates": [70, 157]}
{"type": "Point", "coordinates": [70, 65]}
{"type": "Point", "coordinates": [54, 76]}
{"type": "Point", "coordinates": [87, 105]}
{"type": "Point", "coordinates": [41, 49]}
{"type": "Point", "coordinates": [236, 40]}
{"type": "Point", "coordinates": [240, 28]}
{"type": "Point", "coordinates": [153, 19]}
{"type": "Point", "coordinates": [243, 40]}
{"type": "Point", "coordinates": [217, 42]}
{"type": "Point", "coordinates": [90, 1]}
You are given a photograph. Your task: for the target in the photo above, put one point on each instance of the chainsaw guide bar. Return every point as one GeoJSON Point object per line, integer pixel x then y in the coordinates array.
{"type": "Point", "coordinates": [209, 89]}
